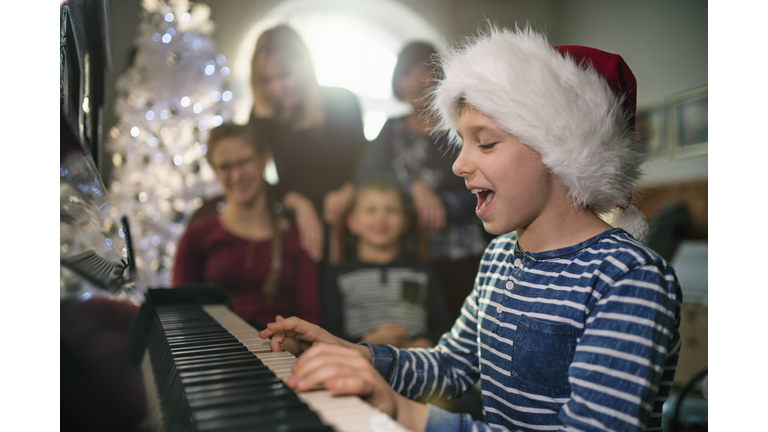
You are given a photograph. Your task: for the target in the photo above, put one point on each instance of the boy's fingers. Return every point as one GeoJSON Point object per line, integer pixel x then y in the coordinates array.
{"type": "Point", "coordinates": [351, 385]}
{"type": "Point", "coordinates": [276, 341]}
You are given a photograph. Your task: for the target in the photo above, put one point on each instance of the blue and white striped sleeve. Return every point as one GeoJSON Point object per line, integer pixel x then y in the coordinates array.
{"type": "Point", "coordinates": [627, 353]}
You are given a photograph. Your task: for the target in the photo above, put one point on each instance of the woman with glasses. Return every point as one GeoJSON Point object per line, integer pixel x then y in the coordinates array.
{"type": "Point", "coordinates": [248, 249]}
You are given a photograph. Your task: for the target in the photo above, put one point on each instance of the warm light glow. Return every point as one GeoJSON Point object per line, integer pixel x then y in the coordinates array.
{"type": "Point", "coordinates": [373, 122]}
{"type": "Point", "coordinates": [334, 50]}
{"type": "Point", "coordinates": [354, 44]}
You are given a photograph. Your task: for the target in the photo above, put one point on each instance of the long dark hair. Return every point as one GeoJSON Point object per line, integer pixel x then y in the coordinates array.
{"type": "Point", "coordinates": [258, 140]}
{"type": "Point", "coordinates": [413, 55]}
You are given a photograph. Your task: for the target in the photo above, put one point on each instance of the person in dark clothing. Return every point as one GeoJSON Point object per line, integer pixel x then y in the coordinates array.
{"type": "Point", "coordinates": [381, 296]}
{"type": "Point", "coordinates": [421, 164]}
{"type": "Point", "coordinates": [316, 133]}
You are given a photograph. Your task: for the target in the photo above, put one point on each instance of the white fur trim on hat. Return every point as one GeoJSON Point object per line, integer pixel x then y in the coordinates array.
{"type": "Point", "coordinates": [563, 110]}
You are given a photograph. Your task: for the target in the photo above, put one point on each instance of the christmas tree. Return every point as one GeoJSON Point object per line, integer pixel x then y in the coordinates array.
{"type": "Point", "coordinates": [168, 100]}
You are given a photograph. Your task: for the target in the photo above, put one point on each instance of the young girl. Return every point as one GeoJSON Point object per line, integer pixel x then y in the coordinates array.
{"type": "Point", "coordinates": [248, 249]}
{"type": "Point", "coordinates": [317, 133]}
{"type": "Point", "coordinates": [407, 154]}
{"type": "Point", "coordinates": [381, 295]}
{"type": "Point", "coordinates": [572, 323]}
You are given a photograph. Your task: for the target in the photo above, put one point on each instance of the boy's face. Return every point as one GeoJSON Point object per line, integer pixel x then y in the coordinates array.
{"type": "Point", "coordinates": [512, 185]}
{"type": "Point", "coordinates": [378, 219]}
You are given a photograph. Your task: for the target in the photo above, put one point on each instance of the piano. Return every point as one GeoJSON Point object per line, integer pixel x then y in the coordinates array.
{"type": "Point", "coordinates": [205, 369]}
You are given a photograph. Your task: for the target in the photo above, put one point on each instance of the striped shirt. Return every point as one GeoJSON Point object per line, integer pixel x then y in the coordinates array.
{"type": "Point", "coordinates": [360, 296]}
{"type": "Point", "coordinates": [581, 338]}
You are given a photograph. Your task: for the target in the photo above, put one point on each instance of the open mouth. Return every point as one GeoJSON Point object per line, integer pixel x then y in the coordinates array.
{"type": "Point", "coordinates": [484, 198]}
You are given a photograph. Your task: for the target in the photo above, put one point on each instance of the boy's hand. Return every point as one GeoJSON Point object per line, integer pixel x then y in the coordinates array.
{"type": "Point", "coordinates": [337, 202]}
{"type": "Point", "coordinates": [296, 336]}
{"type": "Point", "coordinates": [345, 371]}
{"type": "Point", "coordinates": [387, 334]}
{"type": "Point", "coordinates": [307, 222]}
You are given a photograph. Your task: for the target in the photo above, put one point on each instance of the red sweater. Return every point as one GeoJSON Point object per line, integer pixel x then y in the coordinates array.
{"type": "Point", "coordinates": [208, 253]}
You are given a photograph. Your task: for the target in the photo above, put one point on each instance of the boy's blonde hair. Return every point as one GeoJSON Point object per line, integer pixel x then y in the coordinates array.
{"type": "Point", "coordinates": [380, 185]}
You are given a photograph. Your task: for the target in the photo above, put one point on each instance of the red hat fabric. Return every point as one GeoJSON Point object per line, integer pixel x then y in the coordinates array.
{"type": "Point", "coordinates": [615, 71]}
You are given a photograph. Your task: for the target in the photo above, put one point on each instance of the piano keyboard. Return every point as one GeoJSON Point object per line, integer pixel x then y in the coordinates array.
{"type": "Point", "coordinates": [216, 374]}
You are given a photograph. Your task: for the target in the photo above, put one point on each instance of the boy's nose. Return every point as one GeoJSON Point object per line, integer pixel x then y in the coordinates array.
{"type": "Point", "coordinates": [461, 166]}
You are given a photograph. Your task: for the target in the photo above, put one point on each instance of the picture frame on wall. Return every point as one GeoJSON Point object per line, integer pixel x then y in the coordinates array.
{"type": "Point", "coordinates": [650, 124]}
{"type": "Point", "coordinates": [689, 131]}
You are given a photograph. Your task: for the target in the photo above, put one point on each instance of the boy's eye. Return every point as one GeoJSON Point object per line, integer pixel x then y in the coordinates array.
{"type": "Point", "coordinates": [486, 146]}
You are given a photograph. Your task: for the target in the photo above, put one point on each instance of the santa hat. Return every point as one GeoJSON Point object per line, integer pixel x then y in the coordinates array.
{"type": "Point", "coordinates": [574, 105]}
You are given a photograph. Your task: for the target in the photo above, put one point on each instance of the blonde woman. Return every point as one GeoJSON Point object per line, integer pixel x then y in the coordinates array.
{"type": "Point", "coordinates": [316, 133]}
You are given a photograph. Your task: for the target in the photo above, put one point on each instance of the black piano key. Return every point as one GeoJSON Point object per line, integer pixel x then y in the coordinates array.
{"type": "Point", "coordinates": [263, 406]}
{"type": "Point", "coordinates": [244, 396]}
{"type": "Point", "coordinates": [226, 377]}
{"type": "Point", "coordinates": [219, 363]}
{"type": "Point", "coordinates": [261, 387]}
{"type": "Point", "coordinates": [224, 386]}
{"type": "Point", "coordinates": [292, 419]}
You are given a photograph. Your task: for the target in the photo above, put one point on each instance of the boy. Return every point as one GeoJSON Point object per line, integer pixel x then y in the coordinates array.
{"type": "Point", "coordinates": [381, 296]}
{"type": "Point", "coordinates": [572, 324]}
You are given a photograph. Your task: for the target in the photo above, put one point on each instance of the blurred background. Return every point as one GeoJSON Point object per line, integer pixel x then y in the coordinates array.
{"type": "Point", "coordinates": [354, 44]}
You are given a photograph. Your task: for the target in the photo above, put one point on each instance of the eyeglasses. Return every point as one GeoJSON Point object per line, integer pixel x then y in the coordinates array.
{"type": "Point", "coordinates": [245, 164]}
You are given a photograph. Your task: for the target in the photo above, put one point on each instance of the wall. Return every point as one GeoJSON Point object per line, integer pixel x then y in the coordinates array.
{"type": "Point", "coordinates": [665, 43]}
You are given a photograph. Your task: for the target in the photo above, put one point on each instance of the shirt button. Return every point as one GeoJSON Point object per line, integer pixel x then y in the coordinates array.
{"type": "Point", "coordinates": [499, 309]}
{"type": "Point", "coordinates": [510, 285]}
{"type": "Point", "coordinates": [518, 262]}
